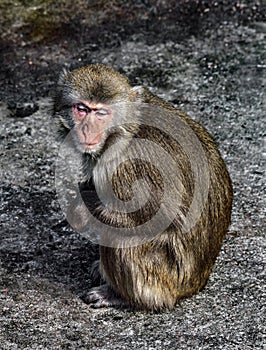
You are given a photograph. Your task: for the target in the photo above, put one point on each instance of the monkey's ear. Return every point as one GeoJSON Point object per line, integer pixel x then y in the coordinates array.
{"type": "Point", "coordinates": [136, 93]}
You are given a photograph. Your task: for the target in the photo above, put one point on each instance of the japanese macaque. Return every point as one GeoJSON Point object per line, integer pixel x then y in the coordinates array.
{"type": "Point", "coordinates": [118, 130]}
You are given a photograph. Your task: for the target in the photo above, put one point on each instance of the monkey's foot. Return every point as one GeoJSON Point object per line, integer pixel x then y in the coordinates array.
{"type": "Point", "coordinates": [103, 296]}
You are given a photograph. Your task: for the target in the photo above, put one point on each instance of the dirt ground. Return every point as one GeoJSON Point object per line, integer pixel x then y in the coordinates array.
{"type": "Point", "coordinates": [206, 57]}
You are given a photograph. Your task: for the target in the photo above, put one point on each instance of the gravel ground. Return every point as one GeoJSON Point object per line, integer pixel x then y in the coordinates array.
{"type": "Point", "coordinates": [213, 69]}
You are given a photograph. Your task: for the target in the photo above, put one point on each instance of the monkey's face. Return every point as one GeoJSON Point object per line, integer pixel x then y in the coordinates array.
{"type": "Point", "coordinates": [91, 121]}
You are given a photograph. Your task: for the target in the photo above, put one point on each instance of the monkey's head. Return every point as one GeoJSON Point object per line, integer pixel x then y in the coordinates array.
{"type": "Point", "coordinates": [94, 102]}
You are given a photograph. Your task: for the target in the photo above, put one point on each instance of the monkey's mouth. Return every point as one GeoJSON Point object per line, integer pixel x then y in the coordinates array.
{"type": "Point", "coordinates": [90, 145]}
{"type": "Point", "coordinates": [93, 143]}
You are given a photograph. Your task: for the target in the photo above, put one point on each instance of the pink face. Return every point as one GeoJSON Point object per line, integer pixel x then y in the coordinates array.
{"type": "Point", "coordinates": [91, 121]}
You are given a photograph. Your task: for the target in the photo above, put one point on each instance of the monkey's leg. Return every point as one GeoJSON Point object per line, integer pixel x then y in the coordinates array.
{"type": "Point", "coordinates": [95, 273]}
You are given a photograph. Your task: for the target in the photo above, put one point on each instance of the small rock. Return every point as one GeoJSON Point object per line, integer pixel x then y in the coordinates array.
{"type": "Point", "coordinates": [22, 109]}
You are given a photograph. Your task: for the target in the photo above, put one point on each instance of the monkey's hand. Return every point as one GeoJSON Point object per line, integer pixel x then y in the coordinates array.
{"type": "Point", "coordinates": [104, 296]}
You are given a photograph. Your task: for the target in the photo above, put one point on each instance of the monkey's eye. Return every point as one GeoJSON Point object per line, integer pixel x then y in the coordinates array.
{"type": "Point", "coordinates": [101, 113]}
{"type": "Point", "coordinates": [81, 109]}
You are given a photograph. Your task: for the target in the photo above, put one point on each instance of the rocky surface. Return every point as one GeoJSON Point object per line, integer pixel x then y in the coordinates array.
{"type": "Point", "coordinates": [207, 58]}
